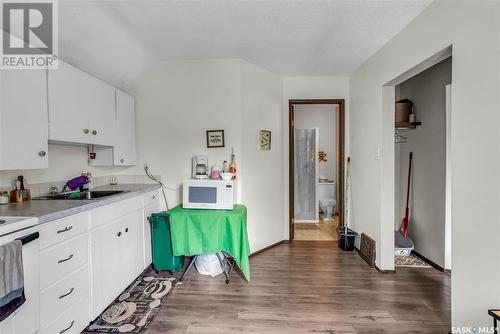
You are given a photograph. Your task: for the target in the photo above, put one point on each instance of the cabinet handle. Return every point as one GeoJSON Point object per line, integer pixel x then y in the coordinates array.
{"type": "Point", "coordinates": [67, 329]}
{"type": "Point", "coordinates": [67, 293]}
{"type": "Point", "coordinates": [66, 259]}
{"type": "Point", "coordinates": [66, 229]}
{"type": "Point", "coordinates": [119, 234]}
{"type": "Point", "coordinates": [94, 132]}
{"type": "Point", "coordinates": [86, 131]}
{"type": "Point", "coordinates": [42, 153]}
{"type": "Point", "coordinates": [126, 229]}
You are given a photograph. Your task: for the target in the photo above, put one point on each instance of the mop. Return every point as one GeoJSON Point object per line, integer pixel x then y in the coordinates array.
{"type": "Point", "coordinates": [344, 230]}
{"type": "Point", "coordinates": [347, 195]}
{"type": "Point", "coordinates": [404, 245]}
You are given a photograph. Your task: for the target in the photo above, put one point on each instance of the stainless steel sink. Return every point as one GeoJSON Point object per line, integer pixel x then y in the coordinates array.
{"type": "Point", "coordinates": [93, 194]}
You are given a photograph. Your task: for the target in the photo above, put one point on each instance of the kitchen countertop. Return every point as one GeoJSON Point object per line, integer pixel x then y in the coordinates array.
{"type": "Point", "coordinates": [48, 210]}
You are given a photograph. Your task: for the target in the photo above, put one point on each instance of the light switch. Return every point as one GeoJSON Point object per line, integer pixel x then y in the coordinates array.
{"type": "Point", "coordinates": [378, 153]}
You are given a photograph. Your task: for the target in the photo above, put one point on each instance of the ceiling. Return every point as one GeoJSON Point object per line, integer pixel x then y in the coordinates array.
{"type": "Point", "coordinates": [116, 40]}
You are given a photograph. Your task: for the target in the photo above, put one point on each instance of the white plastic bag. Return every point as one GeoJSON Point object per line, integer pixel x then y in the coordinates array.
{"type": "Point", "coordinates": [208, 264]}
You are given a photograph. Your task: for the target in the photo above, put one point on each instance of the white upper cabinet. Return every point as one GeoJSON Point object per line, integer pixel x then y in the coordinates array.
{"type": "Point", "coordinates": [124, 153]}
{"type": "Point", "coordinates": [81, 107]}
{"type": "Point", "coordinates": [65, 106]}
{"type": "Point", "coordinates": [23, 119]}
{"type": "Point", "coordinates": [102, 118]}
{"type": "Point", "coordinates": [69, 120]}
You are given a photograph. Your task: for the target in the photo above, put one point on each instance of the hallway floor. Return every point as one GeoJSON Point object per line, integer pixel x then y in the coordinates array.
{"type": "Point", "coordinates": [309, 287]}
{"type": "Point", "coordinates": [325, 230]}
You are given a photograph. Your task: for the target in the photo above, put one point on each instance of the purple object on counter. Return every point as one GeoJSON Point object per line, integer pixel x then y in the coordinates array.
{"type": "Point", "coordinates": [77, 182]}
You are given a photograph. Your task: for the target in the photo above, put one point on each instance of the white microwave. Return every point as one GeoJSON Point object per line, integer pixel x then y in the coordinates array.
{"type": "Point", "coordinates": [208, 194]}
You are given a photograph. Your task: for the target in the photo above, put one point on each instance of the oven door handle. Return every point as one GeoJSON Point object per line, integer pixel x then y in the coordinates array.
{"type": "Point", "coordinates": [29, 238]}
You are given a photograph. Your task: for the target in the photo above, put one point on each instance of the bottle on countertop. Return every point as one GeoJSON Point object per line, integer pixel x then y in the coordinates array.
{"type": "Point", "coordinates": [89, 184]}
{"type": "Point", "coordinates": [225, 167]}
{"type": "Point", "coordinates": [232, 165]}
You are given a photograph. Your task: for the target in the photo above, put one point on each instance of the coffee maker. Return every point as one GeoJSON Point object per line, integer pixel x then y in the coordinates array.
{"type": "Point", "coordinates": [200, 167]}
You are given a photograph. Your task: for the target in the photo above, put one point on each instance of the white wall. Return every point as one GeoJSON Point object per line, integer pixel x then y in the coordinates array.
{"type": "Point", "coordinates": [473, 30]}
{"type": "Point", "coordinates": [427, 91]}
{"type": "Point", "coordinates": [177, 101]}
{"type": "Point", "coordinates": [309, 88]}
{"type": "Point", "coordinates": [323, 117]}
{"type": "Point", "coordinates": [262, 183]}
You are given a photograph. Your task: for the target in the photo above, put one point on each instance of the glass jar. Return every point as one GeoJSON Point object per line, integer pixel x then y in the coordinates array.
{"type": "Point", "coordinates": [4, 197]}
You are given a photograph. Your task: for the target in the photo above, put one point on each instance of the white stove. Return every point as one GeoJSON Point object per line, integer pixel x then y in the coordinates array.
{"type": "Point", "coordinates": [26, 318]}
{"type": "Point", "coordinates": [13, 224]}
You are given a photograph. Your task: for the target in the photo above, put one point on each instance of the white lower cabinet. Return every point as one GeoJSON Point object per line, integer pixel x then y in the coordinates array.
{"type": "Point", "coordinates": [117, 256]}
{"type": "Point", "coordinates": [64, 275]}
{"type": "Point", "coordinates": [86, 260]}
{"type": "Point", "coordinates": [56, 300]}
{"type": "Point", "coordinates": [132, 246]}
{"type": "Point", "coordinates": [151, 203]}
{"type": "Point", "coordinates": [63, 259]}
{"type": "Point", "coordinates": [72, 321]}
{"type": "Point", "coordinates": [148, 253]}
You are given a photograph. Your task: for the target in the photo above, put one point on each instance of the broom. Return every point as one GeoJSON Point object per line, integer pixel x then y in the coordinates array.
{"type": "Point", "coordinates": [404, 223]}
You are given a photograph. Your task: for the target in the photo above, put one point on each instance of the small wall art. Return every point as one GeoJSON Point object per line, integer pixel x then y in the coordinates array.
{"type": "Point", "coordinates": [264, 140]}
{"type": "Point", "coordinates": [215, 138]}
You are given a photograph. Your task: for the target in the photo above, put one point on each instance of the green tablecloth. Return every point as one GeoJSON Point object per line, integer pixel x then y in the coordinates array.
{"type": "Point", "coordinates": [196, 231]}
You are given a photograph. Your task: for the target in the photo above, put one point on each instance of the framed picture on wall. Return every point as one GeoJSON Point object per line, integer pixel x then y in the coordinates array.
{"type": "Point", "coordinates": [215, 138]}
{"type": "Point", "coordinates": [264, 140]}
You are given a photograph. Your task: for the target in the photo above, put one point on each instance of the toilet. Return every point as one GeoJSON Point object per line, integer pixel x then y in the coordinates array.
{"type": "Point", "coordinates": [327, 198]}
{"type": "Point", "coordinates": [326, 205]}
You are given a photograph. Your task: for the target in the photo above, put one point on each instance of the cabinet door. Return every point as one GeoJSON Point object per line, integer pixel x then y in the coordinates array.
{"type": "Point", "coordinates": [101, 108]}
{"type": "Point", "coordinates": [148, 255]}
{"type": "Point", "coordinates": [23, 119]}
{"type": "Point", "coordinates": [68, 105]}
{"type": "Point", "coordinates": [107, 269]}
{"type": "Point", "coordinates": [124, 153]}
{"type": "Point", "coordinates": [132, 253]}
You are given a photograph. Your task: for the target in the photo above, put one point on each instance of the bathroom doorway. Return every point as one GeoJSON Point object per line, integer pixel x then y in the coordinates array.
{"type": "Point", "coordinates": [316, 168]}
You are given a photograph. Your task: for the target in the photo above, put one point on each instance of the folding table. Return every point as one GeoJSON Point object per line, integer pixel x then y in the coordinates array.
{"type": "Point", "coordinates": [199, 231]}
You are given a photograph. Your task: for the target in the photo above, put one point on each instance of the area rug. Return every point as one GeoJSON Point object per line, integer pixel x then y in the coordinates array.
{"type": "Point", "coordinates": [133, 311]}
{"type": "Point", "coordinates": [410, 261]}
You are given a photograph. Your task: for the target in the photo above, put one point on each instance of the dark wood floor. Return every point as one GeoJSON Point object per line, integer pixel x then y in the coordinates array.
{"type": "Point", "coordinates": [310, 287]}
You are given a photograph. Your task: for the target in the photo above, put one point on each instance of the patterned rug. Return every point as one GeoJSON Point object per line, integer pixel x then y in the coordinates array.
{"type": "Point", "coordinates": [134, 310]}
{"type": "Point", "coordinates": [410, 261]}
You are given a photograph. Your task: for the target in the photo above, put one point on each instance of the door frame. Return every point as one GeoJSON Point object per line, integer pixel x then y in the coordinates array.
{"type": "Point", "coordinates": [291, 156]}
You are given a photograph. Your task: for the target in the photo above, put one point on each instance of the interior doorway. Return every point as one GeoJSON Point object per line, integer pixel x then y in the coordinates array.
{"type": "Point", "coordinates": [422, 192]}
{"type": "Point", "coordinates": [316, 168]}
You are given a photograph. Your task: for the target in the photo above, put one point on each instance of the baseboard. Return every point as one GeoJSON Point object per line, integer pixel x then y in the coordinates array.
{"type": "Point", "coordinates": [267, 248]}
{"type": "Point", "coordinates": [431, 263]}
{"type": "Point", "coordinates": [389, 272]}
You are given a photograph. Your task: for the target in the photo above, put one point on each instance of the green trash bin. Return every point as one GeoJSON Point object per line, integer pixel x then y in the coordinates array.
{"type": "Point", "coordinates": [163, 257]}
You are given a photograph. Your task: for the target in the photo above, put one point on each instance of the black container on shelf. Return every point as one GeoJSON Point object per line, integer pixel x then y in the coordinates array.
{"type": "Point", "coordinates": [347, 238]}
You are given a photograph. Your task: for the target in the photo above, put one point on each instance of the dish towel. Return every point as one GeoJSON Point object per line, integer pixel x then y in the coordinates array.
{"type": "Point", "coordinates": [11, 278]}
